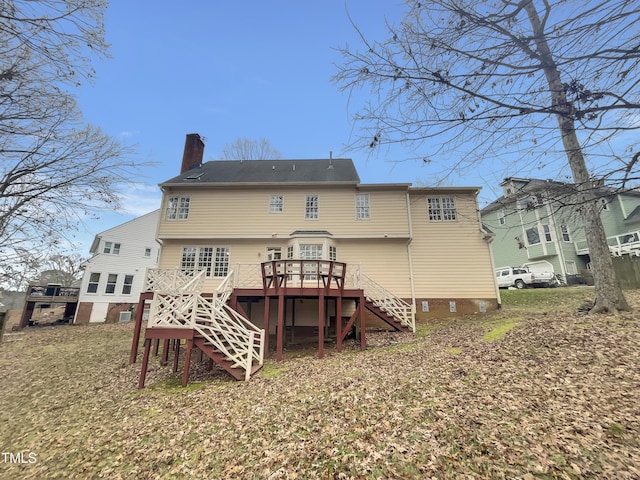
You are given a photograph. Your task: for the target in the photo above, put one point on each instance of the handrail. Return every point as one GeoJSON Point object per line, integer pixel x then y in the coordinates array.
{"type": "Point", "coordinates": [302, 272]}
{"type": "Point", "coordinates": [225, 289]}
{"type": "Point", "coordinates": [173, 280]}
{"type": "Point", "coordinates": [399, 309]}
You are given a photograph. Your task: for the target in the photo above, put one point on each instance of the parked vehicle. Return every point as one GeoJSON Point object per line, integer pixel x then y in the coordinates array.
{"type": "Point", "coordinates": [522, 277]}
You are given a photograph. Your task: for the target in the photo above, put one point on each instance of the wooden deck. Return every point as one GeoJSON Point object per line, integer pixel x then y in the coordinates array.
{"type": "Point", "coordinates": [283, 282]}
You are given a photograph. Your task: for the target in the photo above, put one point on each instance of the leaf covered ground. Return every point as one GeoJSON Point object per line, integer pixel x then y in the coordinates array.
{"type": "Point", "coordinates": [534, 391]}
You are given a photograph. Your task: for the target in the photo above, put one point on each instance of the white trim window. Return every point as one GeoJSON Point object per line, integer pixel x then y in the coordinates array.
{"type": "Point", "coordinates": [127, 285]}
{"type": "Point", "coordinates": [112, 279]}
{"type": "Point", "coordinates": [565, 233]}
{"type": "Point", "coordinates": [362, 206]}
{"type": "Point", "coordinates": [311, 210]}
{"type": "Point", "coordinates": [221, 267]}
{"type": "Point", "coordinates": [547, 232]}
{"type": "Point", "coordinates": [333, 253]}
{"type": "Point", "coordinates": [501, 219]}
{"type": "Point", "coordinates": [94, 280]}
{"type": "Point", "coordinates": [178, 208]}
{"type": "Point", "coordinates": [441, 209]}
{"type": "Point", "coordinates": [276, 204]}
{"type": "Point", "coordinates": [213, 260]}
{"type": "Point", "coordinates": [533, 235]}
{"type": "Point", "coordinates": [111, 248]}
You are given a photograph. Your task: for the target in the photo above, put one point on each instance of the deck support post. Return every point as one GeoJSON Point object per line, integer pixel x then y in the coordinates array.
{"type": "Point", "coordinates": [165, 352]}
{"type": "Point", "coordinates": [339, 323]}
{"type": "Point", "coordinates": [138, 326]}
{"type": "Point", "coordinates": [156, 347]}
{"type": "Point", "coordinates": [267, 308]}
{"type": "Point", "coordinates": [280, 332]}
{"type": "Point", "coordinates": [363, 335]}
{"type": "Point", "coordinates": [145, 362]}
{"type": "Point", "coordinates": [176, 344]}
{"type": "Point", "coordinates": [187, 362]}
{"type": "Point", "coordinates": [321, 308]}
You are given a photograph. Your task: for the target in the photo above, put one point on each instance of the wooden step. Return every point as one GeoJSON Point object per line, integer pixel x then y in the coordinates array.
{"type": "Point", "coordinates": [217, 356]}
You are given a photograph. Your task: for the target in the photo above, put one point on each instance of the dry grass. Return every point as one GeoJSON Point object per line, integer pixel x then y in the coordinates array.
{"type": "Point", "coordinates": [523, 393]}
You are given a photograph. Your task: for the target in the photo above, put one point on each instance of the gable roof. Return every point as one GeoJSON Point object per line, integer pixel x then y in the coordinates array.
{"type": "Point", "coordinates": [228, 172]}
{"type": "Point", "coordinates": [531, 186]}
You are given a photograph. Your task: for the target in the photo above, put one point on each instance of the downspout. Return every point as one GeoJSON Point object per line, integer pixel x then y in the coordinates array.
{"type": "Point", "coordinates": [409, 255]}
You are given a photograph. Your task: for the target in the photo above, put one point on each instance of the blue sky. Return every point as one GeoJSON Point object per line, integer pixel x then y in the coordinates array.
{"type": "Point", "coordinates": [236, 69]}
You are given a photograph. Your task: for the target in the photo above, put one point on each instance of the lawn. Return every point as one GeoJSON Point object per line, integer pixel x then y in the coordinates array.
{"type": "Point", "coordinates": [533, 391]}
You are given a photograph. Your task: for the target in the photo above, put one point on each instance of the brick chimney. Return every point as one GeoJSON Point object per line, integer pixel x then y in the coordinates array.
{"type": "Point", "coordinates": [193, 152]}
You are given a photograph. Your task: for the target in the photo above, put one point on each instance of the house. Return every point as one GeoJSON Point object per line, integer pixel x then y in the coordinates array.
{"type": "Point", "coordinates": [536, 223]}
{"type": "Point", "coordinates": [302, 248]}
{"type": "Point", "coordinates": [115, 274]}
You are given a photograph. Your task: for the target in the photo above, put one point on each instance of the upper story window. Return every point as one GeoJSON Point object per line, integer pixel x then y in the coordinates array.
{"type": "Point", "coordinates": [533, 235]}
{"type": "Point", "coordinates": [128, 283]}
{"type": "Point", "coordinates": [362, 206]}
{"type": "Point", "coordinates": [178, 208]}
{"type": "Point", "coordinates": [441, 209]}
{"type": "Point", "coordinates": [276, 204]}
{"type": "Point", "coordinates": [110, 247]}
{"type": "Point", "coordinates": [112, 279]}
{"type": "Point", "coordinates": [565, 233]}
{"type": "Point", "coordinates": [547, 232]}
{"type": "Point", "coordinates": [94, 279]}
{"type": "Point", "coordinates": [311, 208]}
{"type": "Point", "coordinates": [147, 252]}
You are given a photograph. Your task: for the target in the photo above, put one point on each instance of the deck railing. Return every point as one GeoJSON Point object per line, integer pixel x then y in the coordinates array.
{"type": "Point", "coordinates": [239, 340]}
{"type": "Point", "coordinates": [382, 298]}
{"type": "Point", "coordinates": [178, 303]}
{"type": "Point", "coordinates": [625, 243]}
{"type": "Point", "coordinates": [303, 273]}
{"type": "Point", "coordinates": [173, 280]}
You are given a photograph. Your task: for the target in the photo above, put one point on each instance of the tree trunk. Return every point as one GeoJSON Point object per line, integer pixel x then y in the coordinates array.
{"type": "Point", "coordinates": [609, 296]}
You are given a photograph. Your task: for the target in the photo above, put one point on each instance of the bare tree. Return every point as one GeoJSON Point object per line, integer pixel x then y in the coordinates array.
{"type": "Point", "coordinates": [469, 81]}
{"type": "Point", "coordinates": [54, 169]}
{"type": "Point", "coordinates": [245, 149]}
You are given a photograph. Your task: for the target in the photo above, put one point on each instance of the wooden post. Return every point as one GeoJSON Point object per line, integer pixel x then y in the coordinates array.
{"type": "Point", "coordinates": [165, 352]}
{"type": "Point", "coordinates": [145, 362]}
{"type": "Point", "coordinates": [280, 329]}
{"type": "Point", "coordinates": [156, 347]}
{"type": "Point", "coordinates": [363, 336]}
{"type": "Point", "coordinates": [187, 362]}
{"type": "Point", "coordinates": [339, 323]}
{"type": "Point", "coordinates": [177, 343]}
{"type": "Point", "coordinates": [138, 326]}
{"type": "Point", "coordinates": [267, 307]}
{"type": "Point", "coordinates": [321, 326]}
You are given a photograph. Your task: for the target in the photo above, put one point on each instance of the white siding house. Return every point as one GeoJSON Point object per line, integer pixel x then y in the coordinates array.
{"type": "Point", "coordinates": [114, 276]}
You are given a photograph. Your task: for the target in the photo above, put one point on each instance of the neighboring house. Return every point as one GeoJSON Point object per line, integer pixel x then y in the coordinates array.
{"type": "Point", "coordinates": [536, 223]}
{"type": "Point", "coordinates": [114, 276]}
{"type": "Point", "coordinates": [302, 248]}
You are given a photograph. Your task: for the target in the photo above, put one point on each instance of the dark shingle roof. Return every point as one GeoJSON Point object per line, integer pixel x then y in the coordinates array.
{"type": "Point", "coordinates": [337, 170]}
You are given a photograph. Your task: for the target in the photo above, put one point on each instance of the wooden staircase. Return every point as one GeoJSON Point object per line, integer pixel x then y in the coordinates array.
{"type": "Point", "coordinates": [223, 334]}
{"type": "Point", "coordinates": [221, 360]}
{"type": "Point", "coordinates": [390, 308]}
{"type": "Point", "coordinates": [386, 317]}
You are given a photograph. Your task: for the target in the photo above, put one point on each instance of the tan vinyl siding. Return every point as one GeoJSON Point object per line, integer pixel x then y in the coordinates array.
{"type": "Point", "coordinates": [385, 261]}
{"type": "Point", "coordinates": [450, 258]}
{"type": "Point", "coordinates": [337, 212]}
